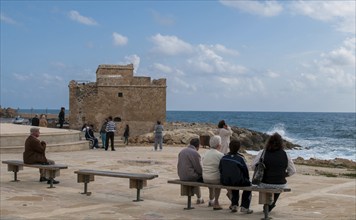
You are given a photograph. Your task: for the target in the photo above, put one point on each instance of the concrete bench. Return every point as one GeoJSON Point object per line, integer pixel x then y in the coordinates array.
{"type": "Point", "coordinates": [51, 171]}
{"type": "Point", "coordinates": [137, 181]}
{"type": "Point", "coordinates": [265, 194]}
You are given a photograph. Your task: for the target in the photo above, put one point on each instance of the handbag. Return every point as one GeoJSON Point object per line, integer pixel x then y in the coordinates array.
{"type": "Point", "coordinates": [259, 170]}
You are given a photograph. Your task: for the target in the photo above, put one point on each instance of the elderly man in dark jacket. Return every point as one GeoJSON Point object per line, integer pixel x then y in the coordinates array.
{"type": "Point", "coordinates": [234, 172]}
{"type": "Point", "coordinates": [35, 153]}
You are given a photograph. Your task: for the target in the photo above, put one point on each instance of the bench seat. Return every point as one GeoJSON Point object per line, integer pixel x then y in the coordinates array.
{"type": "Point", "coordinates": [137, 180]}
{"type": "Point", "coordinates": [51, 171]}
{"type": "Point", "coordinates": [265, 194]}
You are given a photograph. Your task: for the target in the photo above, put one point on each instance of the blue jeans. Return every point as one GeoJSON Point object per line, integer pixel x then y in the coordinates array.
{"type": "Point", "coordinates": [103, 138]}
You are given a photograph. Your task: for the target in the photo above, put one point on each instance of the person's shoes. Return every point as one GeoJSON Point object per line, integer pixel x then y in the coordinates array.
{"type": "Point", "coordinates": [113, 150]}
{"type": "Point", "coordinates": [200, 201]}
{"type": "Point", "coordinates": [211, 203]}
{"type": "Point", "coordinates": [217, 207]}
{"type": "Point", "coordinates": [106, 149]}
{"type": "Point", "coordinates": [246, 211]}
{"type": "Point", "coordinates": [54, 181]}
{"type": "Point", "coordinates": [270, 207]}
{"type": "Point", "coordinates": [42, 179]}
{"type": "Point", "coordinates": [233, 208]}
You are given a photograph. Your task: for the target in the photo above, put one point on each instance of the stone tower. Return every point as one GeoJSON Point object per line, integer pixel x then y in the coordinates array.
{"type": "Point", "coordinates": [136, 101]}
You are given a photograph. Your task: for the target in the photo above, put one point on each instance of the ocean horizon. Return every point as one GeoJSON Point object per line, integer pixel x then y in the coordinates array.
{"type": "Point", "coordinates": [322, 135]}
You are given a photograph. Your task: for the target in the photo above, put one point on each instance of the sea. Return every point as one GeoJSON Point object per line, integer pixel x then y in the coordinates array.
{"type": "Point", "coordinates": [321, 135]}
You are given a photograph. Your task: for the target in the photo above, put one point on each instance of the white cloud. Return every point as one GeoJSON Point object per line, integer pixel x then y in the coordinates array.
{"type": "Point", "coordinates": [170, 45]}
{"type": "Point", "coordinates": [272, 74]}
{"type": "Point", "coordinates": [7, 19]}
{"type": "Point", "coordinates": [166, 20]}
{"type": "Point", "coordinates": [340, 13]}
{"type": "Point", "coordinates": [119, 39]}
{"type": "Point", "coordinates": [224, 50]}
{"type": "Point", "coordinates": [75, 16]}
{"type": "Point", "coordinates": [266, 8]}
{"type": "Point", "coordinates": [22, 77]}
{"type": "Point", "coordinates": [162, 68]}
{"type": "Point", "coordinates": [135, 60]}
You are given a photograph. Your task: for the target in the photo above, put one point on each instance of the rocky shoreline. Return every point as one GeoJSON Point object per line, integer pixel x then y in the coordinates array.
{"type": "Point", "coordinates": [180, 133]}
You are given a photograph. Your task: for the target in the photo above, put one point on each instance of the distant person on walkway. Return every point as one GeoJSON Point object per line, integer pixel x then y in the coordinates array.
{"type": "Point", "coordinates": [35, 121]}
{"type": "Point", "coordinates": [43, 121]}
{"type": "Point", "coordinates": [189, 166]}
{"type": "Point", "coordinates": [211, 173]}
{"type": "Point", "coordinates": [225, 133]}
{"type": "Point", "coordinates": [234, 172]}
{"type": "Point", "coordinates": [110, 133]}
{"type": "Point", "coordinates": [279, 165]}
{"type": "Point", "coordinates": [61, 117]}
{"type": "Point", "coordinates": [89, 135]}
{"type": "Point", "coordinates": [103, 133]}
{"type": "Point", "coordinates": [126, 134]}
{"type": "Point", "coordinates": [158, 132]}
{"type": "Point", "coordinates": [35, 153]}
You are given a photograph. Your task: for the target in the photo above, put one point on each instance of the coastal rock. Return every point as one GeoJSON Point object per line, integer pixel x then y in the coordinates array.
{"type": "Point", "coordinates": [180, 133]}
{"type": "Point", "coordinates": [336, 163]}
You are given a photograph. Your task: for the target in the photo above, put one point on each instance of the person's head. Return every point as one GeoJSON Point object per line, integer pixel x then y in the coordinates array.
{"type": "Point", "coordinates": [62, 109]}
{"type": "Point", "coordinates": [127, 126]}
{"type": "Point", "coordinates": [234, 146]}
{"type": "Point", "coordinates": [35, 131]}
{"type": "Point", "coordinates": [110, 118]}
{"type": "Point", "coordinates": [195, 142]}
{"type": "Point", "coordinates": [274, 143]}
{"type": "Point", "coordinates": [221, 124]}
{"type": "Point", "coordinates": [36, 116]}
{"type": "Point", "coordinates": [215, 142]}
{"type": "Point", "coordinates": [158, 122]}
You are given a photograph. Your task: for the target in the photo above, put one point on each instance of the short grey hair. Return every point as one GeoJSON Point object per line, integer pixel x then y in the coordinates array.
{"type": "Point", "coordinates": [215, 141]}
{"type": "Point", "coordinates": [34, 129]}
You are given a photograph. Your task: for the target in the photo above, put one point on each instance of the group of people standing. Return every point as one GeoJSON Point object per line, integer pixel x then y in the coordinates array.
{"type": "Point", "coordinates": [41, 122]}
{"type": "Point", "coordinates": [107, 134]}
{"type": "Point", "coordinates": [223, 164]}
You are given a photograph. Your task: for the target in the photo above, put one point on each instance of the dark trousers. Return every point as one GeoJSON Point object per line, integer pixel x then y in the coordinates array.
{"type": "Point", "coordinates": [109, 136]}
{"type": "Point", "coordinates": [246, 198]}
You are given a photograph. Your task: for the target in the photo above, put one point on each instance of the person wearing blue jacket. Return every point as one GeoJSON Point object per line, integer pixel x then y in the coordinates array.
{"type": "Point", "coordinates": [234, 172]}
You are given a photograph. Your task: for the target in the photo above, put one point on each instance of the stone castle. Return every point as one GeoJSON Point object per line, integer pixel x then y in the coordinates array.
{"type": "Point", "coordinates": [134, 100]}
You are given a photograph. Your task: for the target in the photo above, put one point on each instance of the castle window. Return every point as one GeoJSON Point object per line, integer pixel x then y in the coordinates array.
{"type": "Point", "coordinates": [119, 94]}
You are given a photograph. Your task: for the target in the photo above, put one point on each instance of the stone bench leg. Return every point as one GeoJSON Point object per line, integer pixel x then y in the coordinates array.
{"type": "Point", "coordinates": [188, 191]}
{"type": "Point", "coordinates": [82, 178]}
{"type": "Point", "coordinates": [137, 184]}
{"type": "Point", "coordinates": [266, 200]}
{"type": "Point", "coordinates": [15, 169]}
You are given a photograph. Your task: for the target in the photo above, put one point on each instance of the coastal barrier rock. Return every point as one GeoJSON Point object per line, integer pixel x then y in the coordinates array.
{"type": "Point", "coordinates": [180, 133]}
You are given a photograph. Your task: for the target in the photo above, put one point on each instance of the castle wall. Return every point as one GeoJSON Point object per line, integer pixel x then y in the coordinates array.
{"type": "Point", "coordinates": [136, 101]}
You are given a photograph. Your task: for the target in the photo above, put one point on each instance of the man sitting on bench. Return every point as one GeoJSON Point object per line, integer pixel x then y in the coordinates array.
{"type": "Point", "coordinates": [35, 153]}
{"type": "Point", "coordinates": [234, 172]}
{"type": "Point", "coordinates": [190, 166]}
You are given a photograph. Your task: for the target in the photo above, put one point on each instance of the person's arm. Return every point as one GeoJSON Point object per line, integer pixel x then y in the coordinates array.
{"type": "Point", "coordinates": [196, 161]}
{"type": "Point", "coordinates": [291, 168]}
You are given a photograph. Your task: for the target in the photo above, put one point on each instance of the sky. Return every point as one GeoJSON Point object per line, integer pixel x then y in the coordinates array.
{"type": "Point", "coordinates": [294, 56]}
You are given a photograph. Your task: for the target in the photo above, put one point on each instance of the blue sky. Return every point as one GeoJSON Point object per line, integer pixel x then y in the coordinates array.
{"type": "Point", "coordinates": [215, 55]}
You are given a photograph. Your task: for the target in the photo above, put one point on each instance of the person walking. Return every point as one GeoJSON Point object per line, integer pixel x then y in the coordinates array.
{"type": "Point", "coordinates": [61, 117]}
{"type": "Point", "coordinates": [110, 133]}
{"type": "Point", "coordinates": [158, 131]}
{"type": "Point", "coordinates": [126, 134]}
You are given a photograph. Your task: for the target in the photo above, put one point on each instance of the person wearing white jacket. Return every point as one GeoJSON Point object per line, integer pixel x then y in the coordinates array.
{"type": "Point", "coordinates": [211, 172]}
{"type": "Point", "coordinates": [225, 133]}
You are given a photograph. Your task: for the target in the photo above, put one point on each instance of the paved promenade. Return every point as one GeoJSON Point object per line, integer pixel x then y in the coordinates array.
{"type": "Point", "coordinates": [312, 197]}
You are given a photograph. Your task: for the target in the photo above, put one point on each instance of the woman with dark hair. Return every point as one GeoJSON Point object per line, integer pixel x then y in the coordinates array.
{"type": "Point", "coordinates": [225, 133]}
{"type": "Point", "coordinates": [279, 165]}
